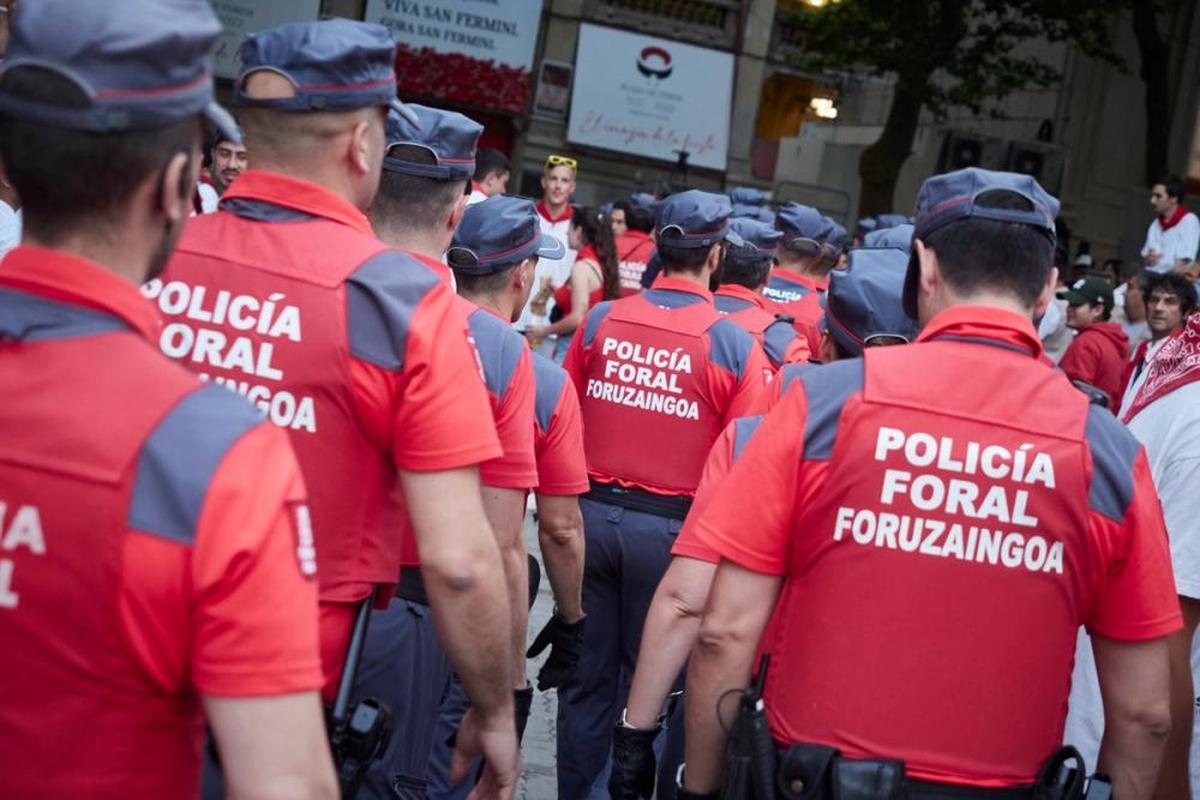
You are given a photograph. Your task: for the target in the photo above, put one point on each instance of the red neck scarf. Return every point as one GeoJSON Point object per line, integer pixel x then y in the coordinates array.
{"type": "Point", "coordinates": [1167, 224]}
{"type": "Point", "coordinates": [1175, 364]}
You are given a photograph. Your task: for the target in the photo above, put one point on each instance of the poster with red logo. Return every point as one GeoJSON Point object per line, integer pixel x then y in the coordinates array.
{"type": "Point", "coordinates": [651, 97]}
{"type": "Point", "coordinates": [476, 52]}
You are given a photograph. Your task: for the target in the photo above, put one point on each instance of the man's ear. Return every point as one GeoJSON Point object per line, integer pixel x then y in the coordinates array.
{"type": "Point", "coordinates": [714, 257]}
{"type": "Point", "coordinates": [176, 187]}
{"type": "Point", "coordinates": [457, 213]}
{"type": "Point", "coordinates": [929, 272]}
{"type": "Point", "coordinates": [827, 351]}
{"type": "Point", "coordinates": [359, 147]}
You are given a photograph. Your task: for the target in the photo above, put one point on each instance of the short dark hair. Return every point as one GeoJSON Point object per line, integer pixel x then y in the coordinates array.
{"type": "Point", "coordinates": [1012, 257]}
{"type": "Point", "coordinates": [489, 161]}
{"type": "Point", "coordinates": [1174, 185]}
{"type": "Point", "coordinates": [484, 284]}
{"type": "Point", "coordinates": [1173, 283]}
{"type": "Point", "coordinates": [749, 272]}
{"type": "Point", "coordinates": [70, 179]}
{"type": "Point", "coordinates": [681, 259]}
{"type": "Point", "coordinates": [637, 218]}
{"type": "Point", "coordinates": [421, 202]}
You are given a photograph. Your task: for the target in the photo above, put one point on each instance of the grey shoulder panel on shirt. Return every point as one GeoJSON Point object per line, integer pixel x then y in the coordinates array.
{"type": "Point", "coordinates": [262, 211]}
{"type": "Point", "coordinates": [743, 430]}
{"type": "Point", "coordinates": [594, 318]}
{"type": "Point", "coordinates": [827, 388]}
{"type": "Point", "coordinates": [29, 318]}
{"type": "Point", "coordinates": [549, 380]}
{"type": "Point", "coordinates": [382, 297]}
{"type": "Point", "coordinates": [499, 347]}
{"type": "Point", "coordinates": [730, 346]}
{"type": "Point", "coordinates": [180, 457]}
{"type": "Point", "coordinates": [777, 338]}
{"type": "Point", "coordinates": [1114, 449]}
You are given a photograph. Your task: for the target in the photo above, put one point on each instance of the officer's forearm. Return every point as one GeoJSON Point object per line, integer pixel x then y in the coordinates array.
{"type": "Point", "coordinates": [721, 660]}
{"type": "Point", "coordinates": [1135, 687]}
{"type": "Point", "coordinates": [667, 638]}
{"type": "Point", "coordinates": [560, 534]}
{"type": "Point", "coordinates": [505, 509]}
{"type": "Point", "coordinates": [464, 577]}
{"type": "Point", "coordinates": [740, 603]}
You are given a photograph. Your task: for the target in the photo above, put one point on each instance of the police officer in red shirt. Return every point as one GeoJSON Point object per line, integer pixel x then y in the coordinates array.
{"type": "Point", "coordinates": [659, 373]}
{"type": "Point", "coordinates": [421, 199]}
{"type": "Point", "coordinates": [358, 350]}
{"type": "Point", "coordinates": [864, 311]}
{"type": "Point", "coordinates": [933, 519]}
{"type": "Point", "coordinates": [743, 276]}
{"type": "Point", "coordinates": [797, 283]}
{"type": "Point", "coordinates": [156, 558]}
{"type": "Point", "coordinates": [635, 246]}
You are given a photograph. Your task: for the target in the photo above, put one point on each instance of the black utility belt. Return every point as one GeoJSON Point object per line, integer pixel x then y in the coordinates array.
{"type": "Point", "coordinates": [669, 506]}
{"type": "Point", "coordinates": [818, 772]}
{"type": "Point", "coordinates": [411, 586]}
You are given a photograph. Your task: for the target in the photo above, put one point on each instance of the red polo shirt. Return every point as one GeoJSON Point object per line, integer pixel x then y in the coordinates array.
{"type": "Point", "coordinates": [964, 532]}
{"type": "Point", "coordinates": [164, 551]}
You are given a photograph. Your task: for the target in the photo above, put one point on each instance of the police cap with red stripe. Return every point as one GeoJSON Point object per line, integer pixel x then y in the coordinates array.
{"type": "Point", "coordinates": [803, 227]}
{"type": "Point", "coordinates": [332, 65]}
{"type": "Point", "coordinates": [949, 198]}
{"type": "Point", "coordinates": [449, 136]}
{"type": "Point", "coordinates": [863, 300]}
{"type": "Point", "coordinates": [695, 219]}
{"type": "Point", "coordinates": [760, 241]}
{"type": "Point", "coordinates": [498, 233]}
{"type": "Point", "coordinates": [142, 64]}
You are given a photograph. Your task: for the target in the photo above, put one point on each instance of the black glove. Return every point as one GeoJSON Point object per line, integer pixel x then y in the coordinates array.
{"type": "Point", "coordinates": [633, 763]}
{"type": "Point", "coordinates": [522, 702]}
{"type": "Point", "coordinates": [566, 640]}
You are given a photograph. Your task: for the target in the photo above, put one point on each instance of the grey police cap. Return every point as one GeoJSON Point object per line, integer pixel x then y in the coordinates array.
{"type": "Point", "coordinates": [141, 64]}
{"type": "Point", "coordinates": [332, 65]}
{"type": "Point", "coordinates": [863, 300]}
{"type": "Point", "coordinates": [497, 233]}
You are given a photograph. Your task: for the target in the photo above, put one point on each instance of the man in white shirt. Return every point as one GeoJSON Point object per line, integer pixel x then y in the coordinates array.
{"type": "Point", "coordinates": [1164, 415]}
{"type": "Point", "coordinates": [1174, 235]}
{"type": "Point", "coordinates": [1170, 299]}
{"type": "Point", "coordinates": [492, 171]}
{"type": "Point", "coordinates": [554, 212]}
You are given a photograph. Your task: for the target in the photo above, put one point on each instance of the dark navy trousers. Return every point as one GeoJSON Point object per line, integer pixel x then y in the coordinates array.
{"type": "Point", "coordinates": [404, 665]}
{"type": "Point", "coordinates": [627, 553]}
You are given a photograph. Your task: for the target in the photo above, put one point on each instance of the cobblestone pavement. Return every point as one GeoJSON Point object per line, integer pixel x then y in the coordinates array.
{"type": "Point", "coordinates": [537, 778]}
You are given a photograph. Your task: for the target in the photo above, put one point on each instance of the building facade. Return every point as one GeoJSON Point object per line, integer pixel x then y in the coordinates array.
{"type": "Point", "coordinates": [624, 85]}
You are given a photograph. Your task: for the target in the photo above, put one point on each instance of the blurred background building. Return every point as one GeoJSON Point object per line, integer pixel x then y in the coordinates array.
{"type": "Point", "coordinates": [625, 85]}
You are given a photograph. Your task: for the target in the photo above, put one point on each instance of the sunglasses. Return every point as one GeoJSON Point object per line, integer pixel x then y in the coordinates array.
{"type": "Point", "coordinates": [561, 161]}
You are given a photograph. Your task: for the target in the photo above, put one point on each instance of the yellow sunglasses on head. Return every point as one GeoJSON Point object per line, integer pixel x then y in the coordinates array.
{"type": "Point", "coordinates": [561, 161]}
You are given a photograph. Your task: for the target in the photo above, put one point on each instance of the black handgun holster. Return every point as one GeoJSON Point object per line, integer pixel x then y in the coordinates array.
{"type": "Point", "coordinates": [818, 772]}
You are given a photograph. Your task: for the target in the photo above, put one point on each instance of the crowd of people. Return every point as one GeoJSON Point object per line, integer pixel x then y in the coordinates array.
{"type": "Point", "coordinates": [902, 511]}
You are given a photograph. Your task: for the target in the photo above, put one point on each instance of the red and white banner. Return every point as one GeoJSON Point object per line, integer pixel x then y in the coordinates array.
{"type": "Point", "coordinates": [468, 51]}
{"type": "Point", "coordinates": [651, 97]}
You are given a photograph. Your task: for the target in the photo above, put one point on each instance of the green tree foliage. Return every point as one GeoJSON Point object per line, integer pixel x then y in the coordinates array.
{"type": "Point", "coordinates": [942, 54]}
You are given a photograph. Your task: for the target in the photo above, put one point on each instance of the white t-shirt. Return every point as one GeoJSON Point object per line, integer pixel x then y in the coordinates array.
{"type": "Point", "coordinates": [209, 199]}
{"type": "Point", "coordinates": [1180, 242]}
{"type": "Point", "coordinates": [10, 227]}
{"type": "Point", "coordinates": [555, 271]}
{"type": "Point", "coordinates": [1138, 378]}
{"type": "Point", "coordinates": [1170, 430]}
